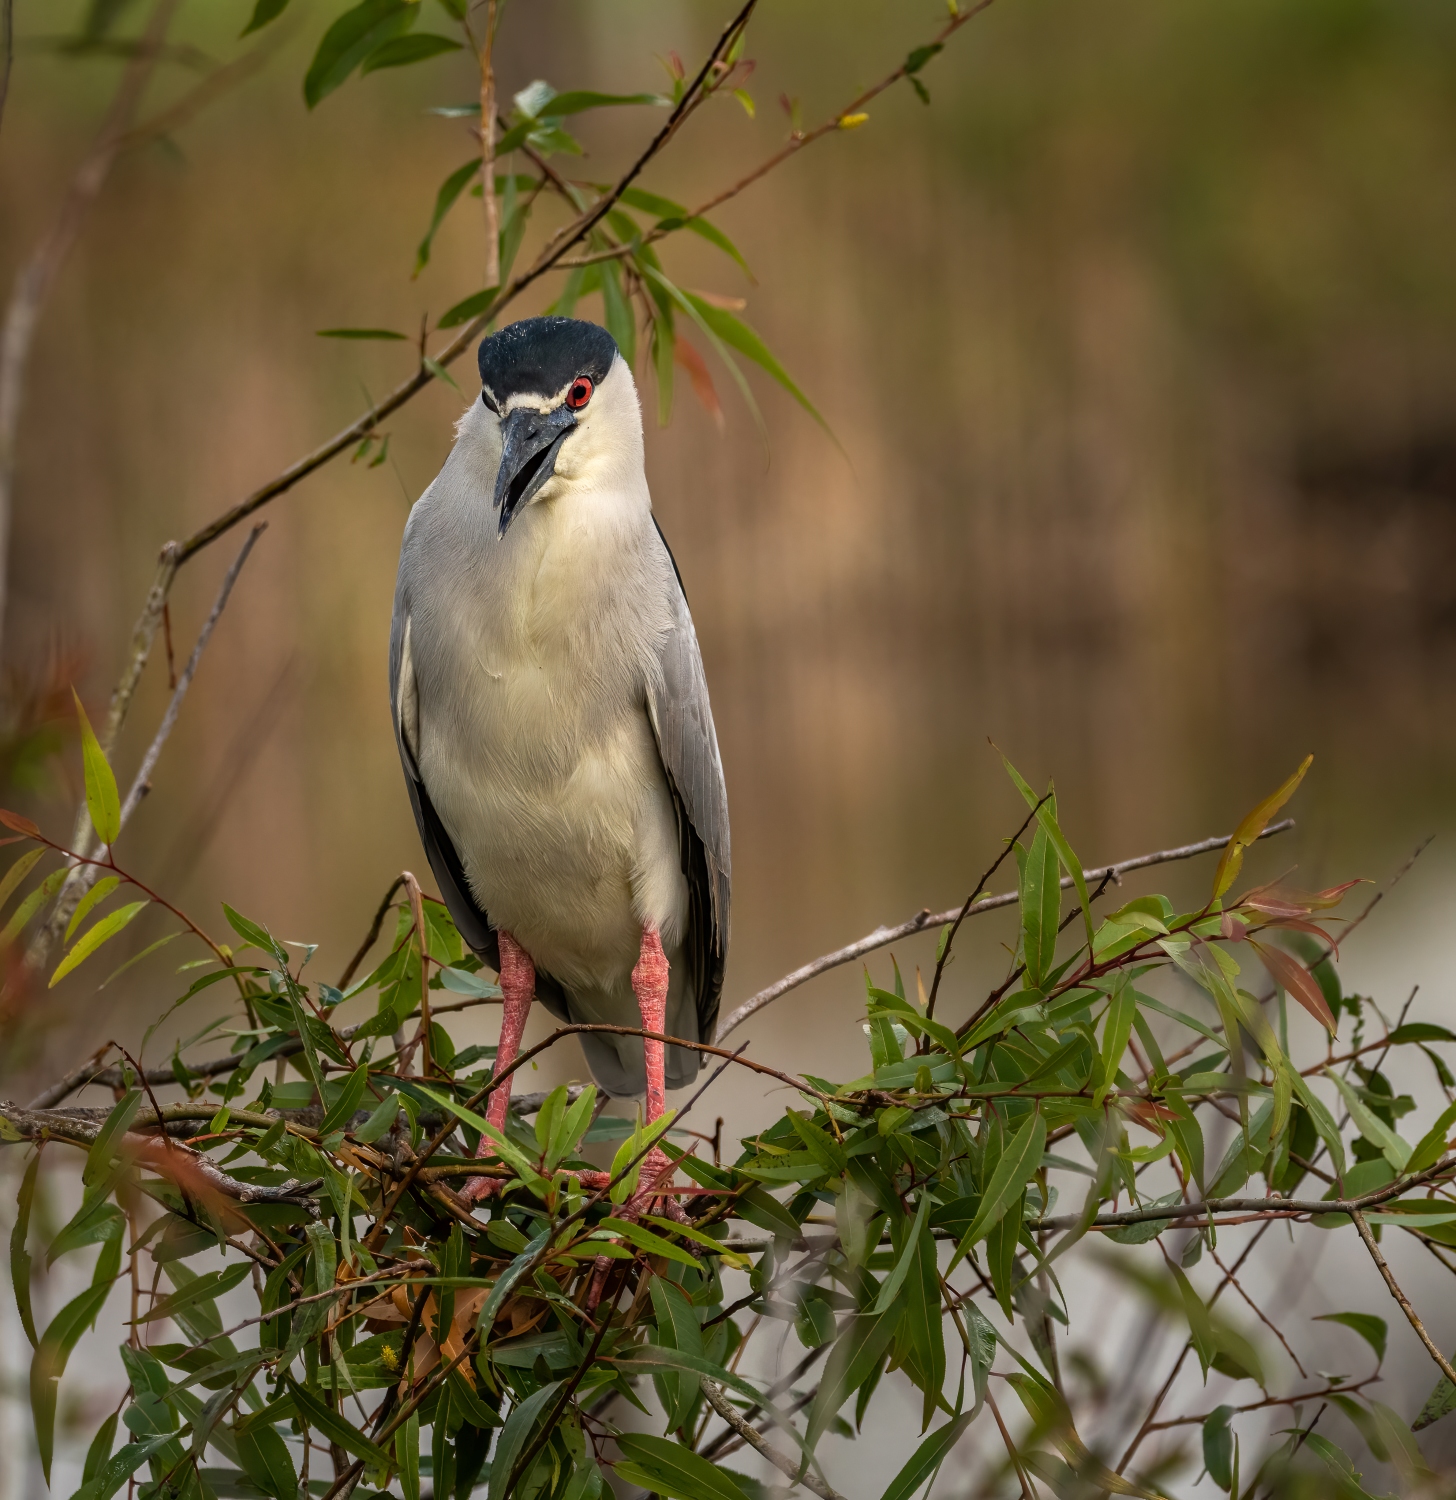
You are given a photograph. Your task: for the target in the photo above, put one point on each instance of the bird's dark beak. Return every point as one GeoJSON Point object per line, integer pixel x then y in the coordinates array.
{"type": "Point", "coordinates": [530, 441]}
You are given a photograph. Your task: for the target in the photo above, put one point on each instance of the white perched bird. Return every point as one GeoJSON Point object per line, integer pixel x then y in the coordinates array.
{"type": "Point", "coordinates": [553, 719]}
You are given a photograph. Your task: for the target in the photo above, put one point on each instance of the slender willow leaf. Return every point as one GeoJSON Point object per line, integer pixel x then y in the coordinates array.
{"type": "Point", "coordinates": [265, 1458]}
{"type": "Point", "coordinates": [118, 1469]}
{"type": "Point", "coordinates": [1394, 1149]}
{"type": "Point", "coordinates": [851, 1361]}
{"type": "Point", "coordinates": [32, 903]}
{"type": "Point", "coordinates": [1432, 1145]}
{"type": "Point", "coordinates": [1370, 1328]}
{"type": "Point", "coordinates": [927, 1458]}
{"type": "Point", "coordinates": [22, 867]}
{"type": "Point", "coordinates": [93, 898]}
{"type": "Point", "coordinates": [514, 1436]}
{"type": "Point", "coordinates": [346, 1106]}
{"type": "Point", "coordinates": [359, 333]}
{"type": "Point", "coordinates": [1297, 980]}
{"type": "Point", "coordinates": [1200, 1325]}
{"type": "Point", "coordinates": [19, 1255]}
{"type": "Point", "coordinates": [334, 1427]}
{"type": "Point", "coordinates": [263, 12]}
{"type": "Point", "coordinates": [1019, 1162]}
{"type": "Point", "coordinates": [660, 1464]}
{"type": "Point", "coordinates": [90, 940]}
{"type": "Point", "coordinates": [102, 800]}
{"type": "Point", "coordinates": [350, 40]}
{"type": "Point", "coordinates": [506, 1280]}
{"type": "Point", "coordinates": [205, 1288]}
{"type": "Point", "coordinates": [907, 1258]}
{"type": "Point", "coordinates": [404, 50]}
{"type": "Point", "coordinates": [450, 190]}
{"type": "Point", "coordinates": [49, 1364]}
{"type": "Point", "coordinates": [1250, 828]}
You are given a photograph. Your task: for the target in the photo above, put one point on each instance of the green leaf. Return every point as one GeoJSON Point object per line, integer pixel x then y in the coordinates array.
{"type": "Point", "coordinates": [49, 1364]}
{"type": "Point", "coordinates": [102, 801]}
{"type": "Point", "coordinates": [205, 1288]}
{"type": "Point", "coordinates": [920, 56]}
{"type": "Point", "coordinates": [653, 1244]}
{"type": "Point", "coordinates": [1047, 817]}
{"type": "Point", "coordinates": [450, 190]}
{"type": "Point", "coordinates": [263, 12]}
{"type": "Point", "coordinates": [266, 1460]}
{"type": "Point", "coordinates": [19, 1255]}
{"type": "Point", "coordinates": [440, 372]}
{"type": "Point", "coordinates": [927, 1458]}
{"type": "Point", "coordinates": [32, 903]}
{"type": "Point", "coordinates": [254, 935]}
{"type": "Point", "coordinates": [1439, 1403]}
{"type": "Point", "coordinates": [1324, 1122]}
{"type": "Point", "coordinates": [617, 311]}
{"type": "Point", "coordinates": [1370, 1328]}
{"type": "Point", "coordinates": [507, 1150]}
{"type": "Point", "coordinates": [358, 333]}
{"type": "Point", "coordinates": [470, 307]}
{"type": "Point", "coordinates": [100, 932]}
{"type": "Point", "coordinates": [660, 1464]}
{"type": "Point", "coordinates": [99, 1449]}
{"type": "Point", "coordinates": [1018, 1163]}
{"type": "Point", "coordinates": [1200, 1325]}
{"type": "Point", "coordinates": [93, 1224]}
{"type": "Point", "coordinates": [1432, 1145]}
{"type": "Point", "coordinates": [1218, 1447]}
{"type": "Point", "coordinates": [1116, 1029]}
{"type": "Point", "coordinates": [1250, 828]}
{"type": "Point", "coordinates": [334, 1427]}
{"type": "Point", "coordinates": [514, 1437]}
{"type": "Point", "coordinates": [575, 100]}
{"type": "Point", "coordinates": [506, 1280]}
{"type": "Point", "coordinates": [346, 1106]}
{"type": "Point", "coordinates": [401, 51]}
{"type": "Point", "coordinates": [855, 1355]}
{"type": "Point", "coordinates": [350, 40]}
{"type": "Point", "coordinates": [380, 1121]}
{"type": "Point", "coordinates": [738, 335]}
{"type": "Point", "coordinates": [94, 897]}
{"type": "Point", "coordinates": [407, 1455]}
{"type": "Point", "coordinates": [110, 1477]}
{"type": "Point", "coordinates": [1392, 1147]}
{"type": "Point", "coordinates": [1041, 904]}
{"type": "Point", "coordinates": [890, 1289]}
{"type": "Point", "coordinates": [19, 870]}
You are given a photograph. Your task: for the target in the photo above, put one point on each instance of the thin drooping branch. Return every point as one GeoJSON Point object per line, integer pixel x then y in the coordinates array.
{"type": "Point", "coordinates": [489, 202]}
{"type": "Point", "coordinates": [1442, 1363]}
{"type": "Point", "coordinates": [38, 276]}
{"type": "Point", "coordinates": [7, 43]}
{"type": "Point", "coordinates": [882, 937]}
{"type": "Point", "coordinates": [715, 1397]}
{"type": "Point", "coordinates": [83, 876]}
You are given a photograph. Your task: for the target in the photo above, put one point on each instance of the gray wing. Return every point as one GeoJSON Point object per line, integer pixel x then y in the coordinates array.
{"type": "Point", "coordinates": [472, 923]}
{"type": "Point", "coordinates": [682, 720]}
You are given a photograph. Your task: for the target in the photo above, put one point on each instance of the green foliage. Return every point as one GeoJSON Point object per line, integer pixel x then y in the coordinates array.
{"type": "Point", "coordinates": [477, 1344]}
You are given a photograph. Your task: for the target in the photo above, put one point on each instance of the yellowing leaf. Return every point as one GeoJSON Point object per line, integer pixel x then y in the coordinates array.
{"type": "Point", "coordinates": [1252, 826]}
{"type": "Point", "coordinates": [102, 801]}
{"type": "Point", "coordinates": [92, 939]}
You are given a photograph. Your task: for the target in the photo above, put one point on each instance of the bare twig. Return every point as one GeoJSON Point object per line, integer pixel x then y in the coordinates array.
{"type": "Point", "coordinates": [881, 937]}
{"type": "Point", "coordinates": [373, 935]}
{"type": "Point", "coordinates": [485, 56]}
{"type": "Point", "coordinates": [83, 876]}
{"type": "Point", "coordinates": [7, 42]}
{"type": "Point", "coordinates": [713, 1394]}
{"type": "Point", "coordinates": [1442, 1363]}
{"type": "Point", "coordinates": [38, 276]}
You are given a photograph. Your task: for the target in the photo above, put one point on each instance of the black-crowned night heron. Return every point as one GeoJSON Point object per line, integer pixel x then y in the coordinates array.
{"type": "Point", "coordinates": [553, 719]}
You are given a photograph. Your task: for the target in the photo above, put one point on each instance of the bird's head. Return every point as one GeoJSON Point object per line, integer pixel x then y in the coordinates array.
{"type": "Point", "coordinates": [554, 384]}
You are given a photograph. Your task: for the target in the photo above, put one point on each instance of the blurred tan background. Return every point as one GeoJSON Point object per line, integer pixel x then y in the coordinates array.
{"type": "Point", "coordinates": [1138, 342]}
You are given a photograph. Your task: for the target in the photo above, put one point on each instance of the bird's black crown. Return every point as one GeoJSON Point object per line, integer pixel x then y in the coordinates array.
{"type": "Point", "coordinates": [538, 356]}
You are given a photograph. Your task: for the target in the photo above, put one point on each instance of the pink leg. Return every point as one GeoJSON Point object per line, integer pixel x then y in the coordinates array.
{"type": "Point", "coordinates": [649, 983]}
{"type": "Point", "coordinates": [518, 989]}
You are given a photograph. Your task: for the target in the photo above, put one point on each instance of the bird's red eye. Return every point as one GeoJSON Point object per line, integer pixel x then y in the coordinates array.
{"type": "Point", "coordinates": [580, 392]}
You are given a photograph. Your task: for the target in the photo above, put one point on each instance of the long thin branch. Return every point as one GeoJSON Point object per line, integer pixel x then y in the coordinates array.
{"type": "Point", "coordinates": [7, 42]}
{"type": "Point", "coordinates": [882, 937]}
{"type": "Point", "coordinates": [1442, 1363]}
{"type": "Point", "coordinates": [83, 876]}
{"type": "Point", "coordinates": [33, 285]}
{"type": "Point", "coordinates": [714, 1396]}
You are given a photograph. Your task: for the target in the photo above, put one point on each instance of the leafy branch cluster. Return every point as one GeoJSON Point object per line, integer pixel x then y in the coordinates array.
{"type": "Point", "coordinates": [901, 1221]}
